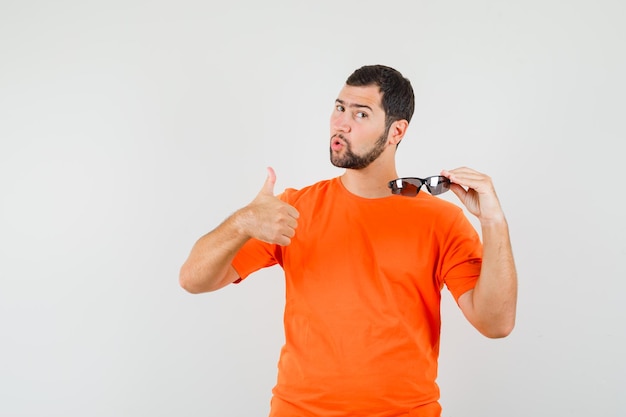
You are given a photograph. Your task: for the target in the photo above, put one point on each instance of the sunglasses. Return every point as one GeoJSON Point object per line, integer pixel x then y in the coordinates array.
{"type": "Point", "coordinates": [410, 186]}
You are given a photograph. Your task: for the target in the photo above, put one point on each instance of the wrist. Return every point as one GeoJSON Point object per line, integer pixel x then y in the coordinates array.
{"type": "Point", "coordinates": [494, 222]}
{"type": "Point", "coordinates": [242, 222]}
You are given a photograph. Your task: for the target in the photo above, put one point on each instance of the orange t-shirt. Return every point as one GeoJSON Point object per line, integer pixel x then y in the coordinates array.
{"type": "Point", "coordinates": [363, 289]}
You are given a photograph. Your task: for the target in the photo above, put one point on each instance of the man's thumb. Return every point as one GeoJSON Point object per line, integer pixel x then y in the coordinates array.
{"type": "Point", "coordinates": [268, 187]}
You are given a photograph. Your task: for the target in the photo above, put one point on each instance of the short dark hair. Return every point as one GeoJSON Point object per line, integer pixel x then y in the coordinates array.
{"type": "Point", "coordinates": [398, 99]}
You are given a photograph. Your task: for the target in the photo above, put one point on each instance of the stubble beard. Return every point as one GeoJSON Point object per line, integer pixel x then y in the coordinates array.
{"type": "Point", "coordinates": [350, 160]}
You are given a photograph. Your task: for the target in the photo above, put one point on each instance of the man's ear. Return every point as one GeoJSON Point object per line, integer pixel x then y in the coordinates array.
{"type": "Point", "coordinates": [397, 131]}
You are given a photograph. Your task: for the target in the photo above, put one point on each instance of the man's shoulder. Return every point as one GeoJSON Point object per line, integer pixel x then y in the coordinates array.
{"type": "Point", "coordinates": [320, 188]}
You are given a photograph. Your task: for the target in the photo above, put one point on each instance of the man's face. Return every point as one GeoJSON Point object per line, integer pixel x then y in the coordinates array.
{"type": "Point", "coordinates": [357, 127]}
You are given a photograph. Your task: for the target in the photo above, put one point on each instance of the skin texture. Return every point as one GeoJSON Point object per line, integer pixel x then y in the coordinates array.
{"type": "Point", "coordinates": [360, 143]}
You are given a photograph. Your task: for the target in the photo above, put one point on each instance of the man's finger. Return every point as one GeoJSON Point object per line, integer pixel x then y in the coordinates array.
{"type": "Point", "coordinates": [270, 181]}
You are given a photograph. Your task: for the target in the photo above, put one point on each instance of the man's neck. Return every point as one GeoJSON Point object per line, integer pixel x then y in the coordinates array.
{"type": "Point", "coordinates": [370, 182]}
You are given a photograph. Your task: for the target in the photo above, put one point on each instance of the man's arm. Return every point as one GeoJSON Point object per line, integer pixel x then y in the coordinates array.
{"type": "Point", "coordinates": [490, 307]}
{"type": "Point", "coordinates": [267, 218]}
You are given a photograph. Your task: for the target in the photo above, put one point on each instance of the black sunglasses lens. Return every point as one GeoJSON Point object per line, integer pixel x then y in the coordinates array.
{"type": "Point", "coordinates": [437, 185]}
{"type": "Point", "coordinates": [405, 187]}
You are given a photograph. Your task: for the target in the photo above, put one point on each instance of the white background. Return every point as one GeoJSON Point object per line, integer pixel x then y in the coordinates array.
{"type": "Point", "coordinates": [130, 128]}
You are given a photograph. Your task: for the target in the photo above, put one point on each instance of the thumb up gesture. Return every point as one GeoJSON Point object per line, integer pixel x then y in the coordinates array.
{"type": "Point", "coordinates": [269, 219]}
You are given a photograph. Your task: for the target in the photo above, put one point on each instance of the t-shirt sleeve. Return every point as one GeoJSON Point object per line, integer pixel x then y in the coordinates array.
{"type": "Point", "coordinates": [253, 256]}
{"type": "Point", "coordinates": [462, 257]}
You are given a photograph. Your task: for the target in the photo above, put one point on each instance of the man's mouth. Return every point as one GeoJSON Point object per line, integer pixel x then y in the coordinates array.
{"type": "Point", "coordinates": [337, 142]}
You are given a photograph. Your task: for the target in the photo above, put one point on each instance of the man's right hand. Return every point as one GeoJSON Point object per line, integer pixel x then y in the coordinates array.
{"type": "Point", "coordinates": [269, 219]}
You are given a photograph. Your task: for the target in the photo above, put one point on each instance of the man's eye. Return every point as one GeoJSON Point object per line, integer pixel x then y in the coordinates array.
{"type": "Point", "coordinates": [361, 115]}
{"type": "Point", "coordinates": [339, 107]}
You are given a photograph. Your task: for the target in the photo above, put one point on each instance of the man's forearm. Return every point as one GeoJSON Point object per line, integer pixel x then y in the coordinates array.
{"type": "Point", "coordinates": [494, 299]}
{"type": "Point", "coordinates": [208, 266]}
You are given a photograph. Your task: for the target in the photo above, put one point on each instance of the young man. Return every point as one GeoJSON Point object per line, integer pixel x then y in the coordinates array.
{"type": "Point", "coordinates": [364, 267]}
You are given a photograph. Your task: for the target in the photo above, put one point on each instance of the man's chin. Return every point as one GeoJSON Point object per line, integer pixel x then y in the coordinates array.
{"type": "Point", "coordinates": [335, 160]}
{"type": "Point", "coordinates": [339, 163]}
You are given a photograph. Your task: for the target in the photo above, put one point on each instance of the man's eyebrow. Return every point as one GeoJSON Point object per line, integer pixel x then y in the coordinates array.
{"type": "Point", "coordinates": [359, 106]}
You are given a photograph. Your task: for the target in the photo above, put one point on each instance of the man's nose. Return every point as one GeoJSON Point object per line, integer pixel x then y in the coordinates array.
{"type": "Point", "coordinates": [341, 122]}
